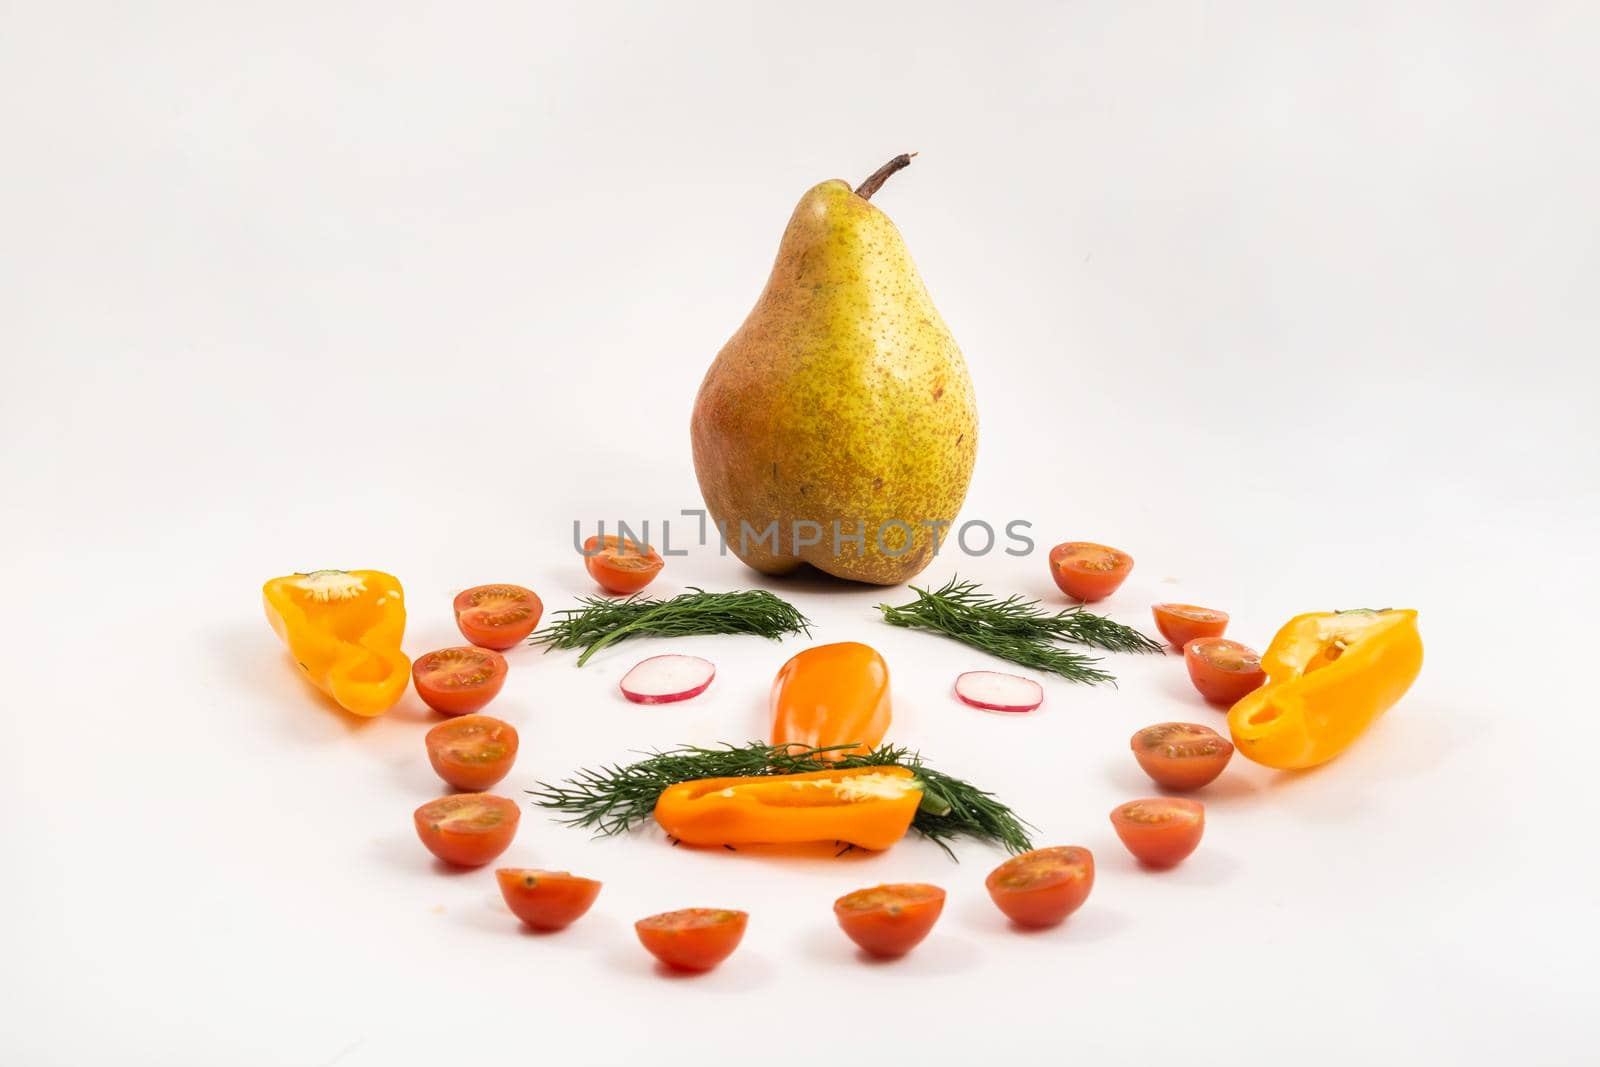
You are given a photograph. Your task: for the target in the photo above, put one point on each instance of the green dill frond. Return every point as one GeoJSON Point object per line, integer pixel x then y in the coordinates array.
{"type": "Point", "coordinates": [612, 800]}
{"type": "Point", "coordinates": [1019, 630]}
{"type": "Point", "coordinates": [602, 621]}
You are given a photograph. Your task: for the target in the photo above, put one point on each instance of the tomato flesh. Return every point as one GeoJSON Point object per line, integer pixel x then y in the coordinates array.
{"type": "Point", "coordinates": [472, 752]}
{"type": "Point", "coordinates": [1182, 623]}
{"type": "Point", "coordinates": [889, 920]}
{"type": "Point", "coordinates": [1181, 755]}
{"type": "Point", "coordinates": [1088, 572]}
{"type": "Point", "coordinates": [497, 616]}
{"type": "Point", "coordinates": [467, 829]}
{"type": "Point", "coordinates": [620, 566]}
{"type": "Point", "coordinates": [546, 900]}
{"type": "Point", "coordinates": [1042, 887]}
{"type": "Point", "coordinates": [1223, 670]}
{"type": "Point", "coordinates": [694, 939]}
{"type": "Point", "coordinates": [1160, 831]}
{"type": "Point", "coordinates": [459, 681]}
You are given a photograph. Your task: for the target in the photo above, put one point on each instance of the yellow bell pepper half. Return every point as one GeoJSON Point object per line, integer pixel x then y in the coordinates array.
{"type": "Point", "coordinates": [343, 629]}
{"type": "Point", "coordinates": [1329, 676]}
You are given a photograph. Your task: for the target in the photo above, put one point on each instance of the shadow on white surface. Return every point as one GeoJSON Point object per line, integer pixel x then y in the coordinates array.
{"type": "Point", "coordinates": [417, 777]}
{"type": "Point", "coordinates": [1413, 739]}
{"type": "Point", "coordinates": [808, 579]}
{"type": "Point", "coordinates": [1176, 685]}
{"type": "Point", "coordinates": [1204, 867]}
{"type": "Point", "coordinates": [797, 856]}
{"type": "Point", "coordinates": [412, 856]}
{"type": "Point", "coordinates": [1090, 922]}
{"type": "Point", "coordinates": [592, 932]}
{"type": "Point", "coordinates": [1234, 784]}
{"type": "Point", "coordinates": [940, 954]}
{"type": "Point", "coordinates": [740, 973]}
{"type": "Point", "coordinates": [253, 656]}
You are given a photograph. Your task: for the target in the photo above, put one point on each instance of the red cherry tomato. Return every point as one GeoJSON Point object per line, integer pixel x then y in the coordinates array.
{"type": "Point", "coordinates": [889, 920]}
{"type": "Point", "coordinates": [459, 681]}
{"type": "Point", "coordinates": [1182, 623]}
{"type": "Point", "coordinates": [620, 566]}
{"type": "Point", "coordinates": [467, 829]}
{"type": "Point", "coordinates": [1086, 571]}
{"type": "Point", "coordinates": [1160, 831]}
{"type": "Point", "coordinates": [694, 939]}
{"type": "Point", "coordinates": [546, 900]}
{"type": "Point", "coordinates": [497, 616]}
{"type": "Point", "coordinates": [1181, 755]}
{"type": "Point", "coordinates": [1042, 887]}
{"type": "Point", "coordinates": [1223, 670]}
{"type": "Point", "coordinates": [472, 752]}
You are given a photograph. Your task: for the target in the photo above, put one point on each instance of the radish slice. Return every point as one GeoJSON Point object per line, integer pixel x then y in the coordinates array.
{"type": "Point", "coordinates": [999, 692]}
{"type": "Point", "coordinates": [667, 679]}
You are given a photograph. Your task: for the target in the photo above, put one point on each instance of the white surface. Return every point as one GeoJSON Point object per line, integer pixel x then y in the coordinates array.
{"type": "Point", "coordinates": [1297, 306]}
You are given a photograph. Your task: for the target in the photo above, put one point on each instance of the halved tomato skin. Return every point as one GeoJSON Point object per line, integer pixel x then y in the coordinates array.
{"type": "Point", "coordinates": [1088, 572]}
{"type": "Point", "coordinates": [1160, 831]}
{"type": "Point", "coordinates": [472, 752]}
{"type": "Point", "coordinates": [546, 900]}
{"type": "Point", "coordinates": [1041, 888]}
{"type": "Point", "coordinates": [693, 939]}
{"type": "Point", "coordinates": [620, 566]}
{"type": "Point", "coordinates": [1223, 670]}
{"type": "Point", "coordinates": [1182, 623]}
{"type": "Point", "coordinates": [497, 616]}
{"type": "Point", "coordinates": [467, 829]}
{"type": "Point", "coordinates": [1181, 755]}
{"type": "Point", "coordinates": [888, 921]}
{"type": "Point", "coordinates": [459, 681]}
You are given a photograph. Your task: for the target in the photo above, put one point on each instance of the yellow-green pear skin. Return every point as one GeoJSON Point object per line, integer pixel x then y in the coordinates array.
{"type": "Point", "coordinates": [842, 399]}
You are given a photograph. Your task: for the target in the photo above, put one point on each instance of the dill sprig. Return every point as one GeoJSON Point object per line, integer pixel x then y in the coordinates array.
{"type": "Point", "coordinates": [600, 621]}
{"type": "Point", "coordinates": [1019, 630]}
{"type": "Point", "coordinates": [611, 800]}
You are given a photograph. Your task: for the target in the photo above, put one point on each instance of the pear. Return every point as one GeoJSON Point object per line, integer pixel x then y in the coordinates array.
{"type": "Point", "coordinates": [837, 427]}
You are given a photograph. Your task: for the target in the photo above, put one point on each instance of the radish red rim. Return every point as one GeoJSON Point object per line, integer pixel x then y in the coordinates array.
{"type": "Point", "coordinates": [993, 691]}
{"type": "Point", "coordinates": [667, 679]}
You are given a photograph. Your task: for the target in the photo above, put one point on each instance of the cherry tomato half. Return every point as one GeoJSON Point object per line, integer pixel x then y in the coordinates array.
{"type": "Point", "coordinates": [889, 920]}
{"type": "Point", "coordinates": [472, 752]}
{"type": "Point", "coordinates": [1086, 571]}
{"type": "Point", "coordinates": [1182, 623]}
{"type": "Point", "coordinates": [1160, 831]}
{"type": "Point", "coordinates": [459, 681]}
{"type": "Point", "coordinates": [694, 939]}
{"type": "Point", "coordinates": [546, 900]}
{"type": "Point", "coordinates": [1042, 887]}
{"type": "Point", "coordinates": [620, 566]}
{"type": "Point", "coordinates": [1181, 755]}
{"type": "Point", "coordinates": [497, 616]}
{"type": "Point", "coordinates": [467, 829]}
{"type": "Point", "coordinates": [1223, 670]}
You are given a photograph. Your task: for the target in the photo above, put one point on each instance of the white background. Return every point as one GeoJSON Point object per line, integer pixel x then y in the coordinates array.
{"type": "Point", "coordinates": [1297, 303]}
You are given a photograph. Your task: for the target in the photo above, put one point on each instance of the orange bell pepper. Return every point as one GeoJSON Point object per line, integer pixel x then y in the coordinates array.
{"type": "Point", "coordinates": [870, 807]}
{"type": "Point", "coordinates": [832, 695]}
{"type": "Point", "coordinates": [343, 629]}
{"type": "Point", "coordinates": [1329, 676]}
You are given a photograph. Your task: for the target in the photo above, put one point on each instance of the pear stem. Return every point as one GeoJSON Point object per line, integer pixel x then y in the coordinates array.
{"type": "Point", "coordinates": [881, 175]}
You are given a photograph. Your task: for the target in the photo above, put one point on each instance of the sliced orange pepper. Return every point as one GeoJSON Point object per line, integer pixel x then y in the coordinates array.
{"type": "Point", "coordinates": [343, 629]}
{"type": "Point", "coordinates": [1330, 674]}
{"type": "Point", "coordinates": [870, 807]}
{"type": "Point", "coordinates": [832, 695]}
